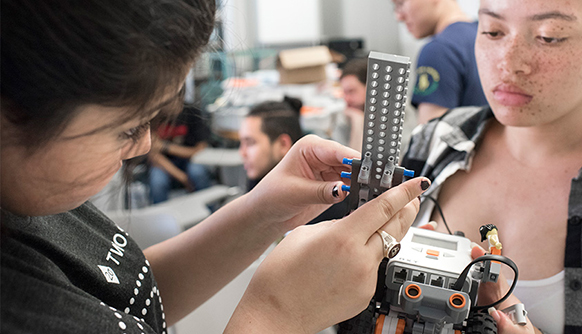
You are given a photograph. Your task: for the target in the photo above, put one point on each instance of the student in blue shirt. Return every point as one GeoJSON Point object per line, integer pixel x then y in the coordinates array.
{"type": "Point", "coordinates": [446, 71]}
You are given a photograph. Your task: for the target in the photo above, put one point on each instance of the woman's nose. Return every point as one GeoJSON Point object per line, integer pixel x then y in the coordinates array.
{"type": "Point", "coordinates": [514, 58]}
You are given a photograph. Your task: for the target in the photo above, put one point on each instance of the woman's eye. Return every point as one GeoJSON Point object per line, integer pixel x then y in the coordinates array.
{"type": "Point", "coordinates": [137, 132]}
{"type": "Point", "coordinates": [551, 40]}
{"type": "Point", "coordinates": [492, 34]}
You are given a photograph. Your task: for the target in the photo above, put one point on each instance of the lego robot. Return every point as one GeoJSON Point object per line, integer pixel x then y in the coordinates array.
{"type": "Point", "coordinates": [431, 285]}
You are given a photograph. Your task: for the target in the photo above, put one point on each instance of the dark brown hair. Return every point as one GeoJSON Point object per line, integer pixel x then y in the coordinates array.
{"type": "Point", "coordinates": [357, 67]}
{"type": "Point", "coordinates": [58, 55]}
{"type": "Point", "coordinates": [279, 118]}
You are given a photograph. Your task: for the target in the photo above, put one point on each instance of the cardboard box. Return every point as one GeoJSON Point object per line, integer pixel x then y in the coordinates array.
{"type": "Point", "coordinates": [304, 65]}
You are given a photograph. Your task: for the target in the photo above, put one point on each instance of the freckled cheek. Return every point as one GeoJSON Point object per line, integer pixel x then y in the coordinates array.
{"type": "Point", "coordinates": [486, 61]}
{"type": "Point", "coordinates": [558, 77]}
{"type": "Point", "coordinates": [569, 69]}
{"type": "Point", "coordinates": [486, 73]}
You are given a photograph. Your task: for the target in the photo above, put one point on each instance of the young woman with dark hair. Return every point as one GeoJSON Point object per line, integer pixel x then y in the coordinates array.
{"type": "Point", "coordinates": [518, 162]}
{"type": "Point", "coordinates": [81, 82]}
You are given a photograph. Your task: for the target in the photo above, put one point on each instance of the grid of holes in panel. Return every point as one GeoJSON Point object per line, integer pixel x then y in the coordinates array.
{"type": "Point", "coordinates": [384, 114]}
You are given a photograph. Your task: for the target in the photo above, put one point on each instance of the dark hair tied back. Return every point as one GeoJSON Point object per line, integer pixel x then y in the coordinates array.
{"type": "Point", "coordinates": [294, 103]}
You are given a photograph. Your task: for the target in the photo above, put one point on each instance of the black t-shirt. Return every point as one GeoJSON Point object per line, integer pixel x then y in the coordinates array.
{"type": "Point", "coordinates": [75, 272]}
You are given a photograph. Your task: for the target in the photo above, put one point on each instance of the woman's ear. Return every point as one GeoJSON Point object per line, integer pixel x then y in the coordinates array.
{"type": "Point", "coordinates": [283, 144]}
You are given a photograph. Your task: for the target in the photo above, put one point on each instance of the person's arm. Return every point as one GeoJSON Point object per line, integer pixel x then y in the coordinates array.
{"type": "Point", "coordinates": [161, 161]}
{"type": "Point", "coordinates": [160, 146]}
{"type": "Point", "coordinates": [322, 274]}
{"type": "Point", "coordinates": [182, 151]}
{"type": "Point", "coordinates": [428, 111]}
{"type": "Point", "coordinates": [191, 267]}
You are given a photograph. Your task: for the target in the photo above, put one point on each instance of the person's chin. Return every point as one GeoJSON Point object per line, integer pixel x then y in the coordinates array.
{"type": "Point", "coordinates": [515, 117]}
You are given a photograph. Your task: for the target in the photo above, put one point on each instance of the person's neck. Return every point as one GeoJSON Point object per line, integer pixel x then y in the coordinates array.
{"type": "Point", "coordinates": [559, 141]}
{"type": "Point", "coordinates": [451, 13]}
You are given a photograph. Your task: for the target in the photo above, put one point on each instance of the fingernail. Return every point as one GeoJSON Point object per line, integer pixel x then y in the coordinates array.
{"type": "Point", "coordinates": [493, 312]}
{"type": "Point", "coordinates": [433, 224]}
{"type": "Point", "coordinates": [424, 185]}
{"type": "Point", "coordinates": [335, 191]}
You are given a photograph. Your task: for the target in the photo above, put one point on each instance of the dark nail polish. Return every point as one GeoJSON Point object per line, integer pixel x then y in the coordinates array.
{"type": "Point", "coordinates": [424, 185]}
{"type": "Point", "coordinates": [335, 191]}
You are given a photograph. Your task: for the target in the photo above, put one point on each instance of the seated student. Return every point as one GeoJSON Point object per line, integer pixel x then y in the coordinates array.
{"type": "Point", "coordinates": [173, 145]}
{"type": "Point", "coordinates": [266, 135]}
{"type": "Point", "coordinates": [353, 83]}
{"type": "Point", "coordinates": [446, 72]}
{"type": "Point", "coordinates": [518, 164]}
{"type": "Point", "coordinates": [81, 82]}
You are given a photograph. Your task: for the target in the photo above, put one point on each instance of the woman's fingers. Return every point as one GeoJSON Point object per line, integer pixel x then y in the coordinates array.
{"type": "Point", "coordinates": [506, 326]}
{"type": "Point", "coordinates": [366, 220]}
{"type": "Point", "coordinates": [398, 225]}
{"type": "Point", "coordinates": [431, 225]}
{"type": "Point", "coordinates": [320, 154]}
{"type": "Point", "coordinates": [321, 192]}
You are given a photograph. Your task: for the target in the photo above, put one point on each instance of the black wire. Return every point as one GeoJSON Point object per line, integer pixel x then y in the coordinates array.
{"type": "Point", "coordinates": [440, 211]}
{"type": "Point", "coordinates": [488, 257]}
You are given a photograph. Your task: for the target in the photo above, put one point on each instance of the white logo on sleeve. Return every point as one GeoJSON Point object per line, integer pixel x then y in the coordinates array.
{"type": "Point", "coordinates": [109, 274]}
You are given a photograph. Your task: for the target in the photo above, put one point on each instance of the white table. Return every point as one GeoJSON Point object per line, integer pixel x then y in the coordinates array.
{"type": "Point", "coordinates": [187, 210]}
{"type": "Point", "coordinates": [221, 157]}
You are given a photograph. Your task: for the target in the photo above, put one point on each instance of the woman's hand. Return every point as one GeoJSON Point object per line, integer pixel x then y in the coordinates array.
{"type": "Point", "coordinates": [302, 185]}
{"type": "Point", "coordinates": [490, 292]}
{"type": "Point", "coordinates": [322, 274]}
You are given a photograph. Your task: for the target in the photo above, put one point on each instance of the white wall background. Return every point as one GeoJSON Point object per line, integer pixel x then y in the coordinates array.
{"type": "Point", "coordinates": [310, 21]}
{"type": "Point", "coordinates": [280, 22]}
{"type": "Point", "coordinates": [238, 21]}
{"type": "Point", "coordinates": [470, 7]}
{"type": "Point", "coordinates": [372, 20]}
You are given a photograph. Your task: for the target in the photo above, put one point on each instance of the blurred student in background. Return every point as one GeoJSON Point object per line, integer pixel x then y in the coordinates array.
{"type": "Point", "coordinates": [173, 146]}
{"type": "Point", "coordinates": [446, 71]}
{"type": "Point", "coordinates": [267, 134]}
{"type": "Point", "coordinates": [353, 83]}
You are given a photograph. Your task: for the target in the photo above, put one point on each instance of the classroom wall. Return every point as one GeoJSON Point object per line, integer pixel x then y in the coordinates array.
{"type": "Point", "coordinates": [369, 19]}
{"type": "Point", "coordinates": [372, 20]}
